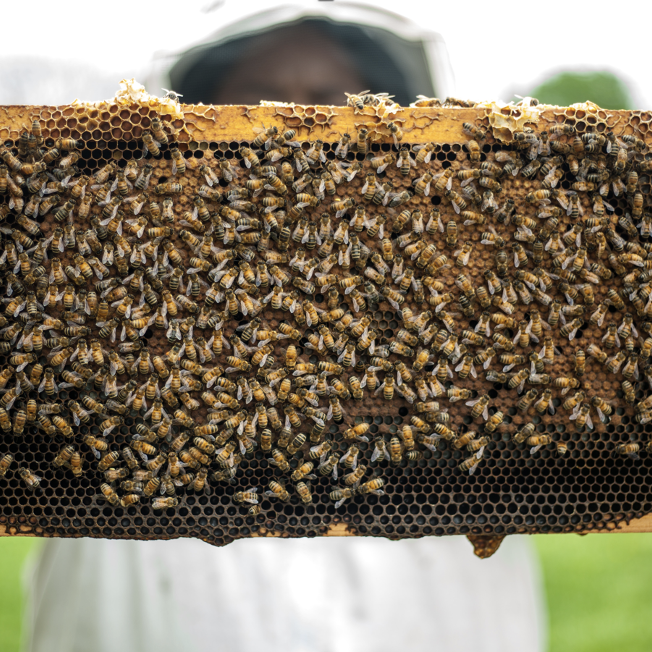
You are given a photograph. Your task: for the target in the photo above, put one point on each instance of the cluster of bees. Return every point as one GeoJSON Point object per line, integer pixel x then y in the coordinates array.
{"type": "Point", "coordinates": [263, 280]}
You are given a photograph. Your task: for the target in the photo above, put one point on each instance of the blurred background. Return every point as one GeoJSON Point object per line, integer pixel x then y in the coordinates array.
{"type": "Point", "coordinates": [515, 49]}
{"type": "Point", "coordinates": [598, 590]}
{"type": "Point", "coordinates": [598, 587]}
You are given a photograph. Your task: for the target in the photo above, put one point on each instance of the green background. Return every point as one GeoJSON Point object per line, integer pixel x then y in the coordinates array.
{"type": "Point", "coordinates": [602, 88]}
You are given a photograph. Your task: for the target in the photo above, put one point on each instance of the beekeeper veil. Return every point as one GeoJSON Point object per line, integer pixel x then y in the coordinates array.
{"type": "Point", "coordinates": [381, 50]}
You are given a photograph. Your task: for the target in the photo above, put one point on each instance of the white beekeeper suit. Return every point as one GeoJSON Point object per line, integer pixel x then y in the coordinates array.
{"type": "Point", "coordinates": [285, 595]}
{"type": "Point", "coordinates": [290, 595]}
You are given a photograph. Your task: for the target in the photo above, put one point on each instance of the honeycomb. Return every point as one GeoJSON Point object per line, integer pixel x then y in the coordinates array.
{"type": "Point", "coordinates": [423, 469]}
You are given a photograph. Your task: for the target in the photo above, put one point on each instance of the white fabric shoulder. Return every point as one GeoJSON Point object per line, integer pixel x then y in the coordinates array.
{"type": "Point", "coordinates": [301, 595]}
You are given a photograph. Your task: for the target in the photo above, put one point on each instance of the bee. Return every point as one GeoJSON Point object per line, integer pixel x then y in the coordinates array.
{"type": "Point", "coordinates": [566, 383]}
{"type": "Point", "coordinates": [372, 486]}
{"type": "Point", "coordinates": [518, 380]}
{"type": "Point", "coordinates": [264, 137]}
{"type": "Point", "coordinates": [600, 313]}
{"type": "Point", "coordinates": [277, 490]}
{"type": "Point", "coordinates": [249, 496]}
{"type": "Point", "coordinates": [470, 464]}
{"type": "Point", "coordinates": [523, 434]}
{"type": "Point", "coordinates": [362, 142]}
{"type": "Point", "coordinates": [249, 157]}
{"type": "Point", "coordinates": [473, 131]}
{"type": "Point", "coordinates": [150, 145]}
{"type": "Point", "coordinates": [494, 421]}
{"type": "Point", "coordinates": [582, 417]}
{"type": "Point", "coordinates": [544, 404]}
{"type": "Point", "coordinates": [615, 300]}
{"type": "Point", "coordinates": [425, 153]}
{"type": "Point", "coordinates": [343, 145]}
{"type": "Point", "coordinates": [130, 499]}
{"type": "Point", "coordinates": [602, 408]}
{"type": "Point", "coordinates": [304, 492]}
{"type": "Point", "coordinates": [537, 441]}
{"type": "Point", "coordinates": [405, 161]}
{"type": "Point", "coordinates": [64, 456]}
{"type": "Point", "coordinates": [341, 495]}
{"type": "Point", "coordinates": [198, 483]}
{"type": "Point", "coordinates": [570, 329]}
{"type": "Point", "coordinates": [110, 495]}
{"type": "Point", "coordinates": [527, 400]}
{"type": "Point", "coordinates": [5, 462]}
{"type": "Point", "coordinates": [574, 401]}
{"type": "Point", "coordinates": [627, 328]}
{"type": "Point", "coordinates": [611, 338]}
{"type": "Point", "coordinates": [464, 439]}
{"type": "Point", "coordinates": [629, 450]}
{"type": "Point", "coordinates": [473, 148]}
{"type": "Point", "coordinates": [31, 480]}
{"type": "Point", "coordinates": [628, 391]}
{"type": "Point", "coordinates": [168, 188]}
{"type": "Point", "coordinates": [159, 503]}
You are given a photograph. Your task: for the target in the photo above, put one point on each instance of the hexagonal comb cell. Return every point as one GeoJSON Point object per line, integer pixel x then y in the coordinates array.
{"type": "Point", "coordinates": [204, 319]}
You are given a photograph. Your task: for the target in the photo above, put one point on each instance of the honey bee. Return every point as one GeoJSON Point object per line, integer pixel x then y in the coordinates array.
{"type": "Point", "coordinates": [494, 421]}
{"type": "Point", "coordinates": [544, 404]}
{"type": "Point", "coordinates": [343, 145]}
{"type": "Point", "coordinates": [574, 401]}
{"type": "Point", "coordinates": [248, 496]}
{"type": "Point", "coordinates": [5, 462]}
{"type": "Point", "coordinates": [159, 503]}
{"type": "Point", "coordinates": [582, 417]}
{"type": "Point", "coordinates": [372, 486]}
{"type": "Point", "coordinates": [362, 142]}
{"type": "Point", "coordinates": [630, 450]}
{"type": "Point", "coordinates": [304, 492]}
{"type": "Point", "coordinates": [425, 153]}
{"type": "Point", "coordinates": [31, 480]}
{"type": "Point", "coordinates": [470, 464]}
{"type": "Point", "coordinates": [537, 441]}
{"type": "Point", "coordinates": [341, 495]}
{"type": "Point", "coordinates": [277, 490]}
{"type": "Point", "coordinates": [602, 408]}
{"type": "Point", "coordinates": [110, 495]}
{"type": "Point", "coordinates": [566, 383]}
{"type": "Point", "coordinates": [150, 145]}
{"type": "Point", "coordinates": [628, 391]}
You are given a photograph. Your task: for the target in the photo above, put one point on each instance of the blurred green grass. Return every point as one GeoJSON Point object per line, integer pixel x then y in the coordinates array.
{"type": "Point", "coordinates": [570, 87]}
{"type": "Point", "coordinates": [599, 591]}
{"type": "Point", "coordinates": [13, 554]}
{"type": "Point", "coordinates": [598, 587]}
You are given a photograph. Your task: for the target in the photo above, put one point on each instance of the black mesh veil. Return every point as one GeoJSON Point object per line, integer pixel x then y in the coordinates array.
{"type": "Point", "coordinates": [386, 62]}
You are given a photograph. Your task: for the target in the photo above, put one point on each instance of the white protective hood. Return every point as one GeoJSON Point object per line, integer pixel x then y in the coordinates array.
{"type": "Point", "coordinates": [419, 53]}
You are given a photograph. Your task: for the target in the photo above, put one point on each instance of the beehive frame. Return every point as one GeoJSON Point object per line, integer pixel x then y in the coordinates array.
{"type": "Point", "coordinates": [591, 488]}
